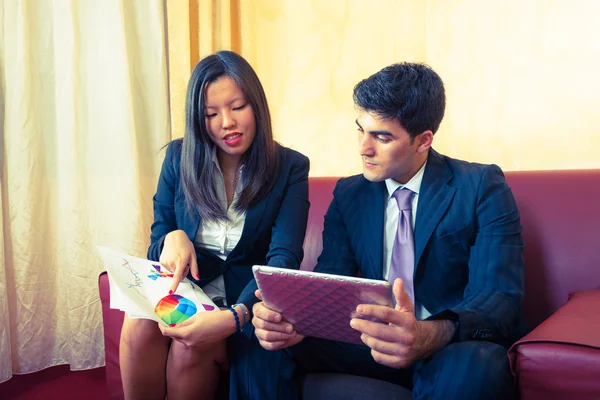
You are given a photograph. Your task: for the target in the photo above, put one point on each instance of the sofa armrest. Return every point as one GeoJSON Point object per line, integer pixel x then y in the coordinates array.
{"type": "Point", "coordinates": [562, 354]}
{"type": "Point", "coordinates": [112, 321]}
{"type": "Point", "coordinates": [576, 323]}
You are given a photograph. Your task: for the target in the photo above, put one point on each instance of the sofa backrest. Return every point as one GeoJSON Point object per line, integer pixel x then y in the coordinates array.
{"type": "Point", "coordinates": [320, 193]}
{"type": "Point", "coordinates": [560, 215]}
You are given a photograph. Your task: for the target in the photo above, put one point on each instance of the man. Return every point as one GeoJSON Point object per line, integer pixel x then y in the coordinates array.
{"type": "Point", "coordinates": [445, 232]}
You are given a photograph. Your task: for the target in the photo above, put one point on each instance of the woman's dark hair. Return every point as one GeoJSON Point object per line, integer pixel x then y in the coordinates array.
{"type": "Point", "coordinates": [411, 93]}
{"type": "Point", "coordinates": [261, 161]}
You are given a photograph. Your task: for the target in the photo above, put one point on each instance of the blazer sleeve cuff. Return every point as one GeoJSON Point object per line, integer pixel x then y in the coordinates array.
{"type": "Point", "coordinates": [248, 299]}
{"type": "Point", "coordinates": [156, 248]}
{"type": "Point", "coordinates": [471, 325]}
{"type": "Point", "coordinates": [452, 317]}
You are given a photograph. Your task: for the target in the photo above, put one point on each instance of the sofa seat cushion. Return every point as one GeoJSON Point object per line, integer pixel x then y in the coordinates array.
{"type": "Point", "coordinates": [561, 357]}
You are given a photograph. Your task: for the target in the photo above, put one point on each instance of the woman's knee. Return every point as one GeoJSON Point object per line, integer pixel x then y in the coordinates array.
{"type": "Point", "coordinates": [140, 333]}
{"type": "Point", "coordinates": [182, 357]}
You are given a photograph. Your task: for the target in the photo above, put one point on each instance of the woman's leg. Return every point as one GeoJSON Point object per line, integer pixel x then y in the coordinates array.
{"type": "Point", "coordinates": [143, 359]}
{"type": "Point", "coordinates": [195, 373]}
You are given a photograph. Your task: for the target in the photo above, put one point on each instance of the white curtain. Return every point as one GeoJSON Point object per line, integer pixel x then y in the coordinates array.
{"type": "Point", "coordinates": [84, 112]}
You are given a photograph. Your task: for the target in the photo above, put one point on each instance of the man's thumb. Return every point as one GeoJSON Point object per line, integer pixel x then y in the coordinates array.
{"type": "Point", "coordinates": [403, 301]}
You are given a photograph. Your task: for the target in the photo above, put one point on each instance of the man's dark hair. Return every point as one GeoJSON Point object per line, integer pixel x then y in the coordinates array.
{"type": "Point", "coordinates": [411, 93]}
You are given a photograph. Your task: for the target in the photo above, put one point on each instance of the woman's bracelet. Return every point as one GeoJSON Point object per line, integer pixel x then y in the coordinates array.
{"type": "Point", "coordinates": [238, 328]}
{"type": "Point", "coordinates": [243, 308]}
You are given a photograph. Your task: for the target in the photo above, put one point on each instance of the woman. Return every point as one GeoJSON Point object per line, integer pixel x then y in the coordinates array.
{"type": "Point", "coordinates": [229, 197]}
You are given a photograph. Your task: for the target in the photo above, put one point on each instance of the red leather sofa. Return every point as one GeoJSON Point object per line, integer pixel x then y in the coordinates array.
{"type": "Point", "coordinates": [560, 358]}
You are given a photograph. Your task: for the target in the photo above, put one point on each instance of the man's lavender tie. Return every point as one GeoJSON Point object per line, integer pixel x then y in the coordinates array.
{"type": "Point", "coordinates": [403, 251]}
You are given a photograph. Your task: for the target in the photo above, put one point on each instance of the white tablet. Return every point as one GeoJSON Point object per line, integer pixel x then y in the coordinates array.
{"type": "Point", "coordinates": [319, 305]}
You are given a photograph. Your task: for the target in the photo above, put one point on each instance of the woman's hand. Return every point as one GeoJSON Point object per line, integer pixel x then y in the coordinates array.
{"type": "Point", "coordinates": [202, 329]}
{"type": "Point", "coordinates": [179, 256]}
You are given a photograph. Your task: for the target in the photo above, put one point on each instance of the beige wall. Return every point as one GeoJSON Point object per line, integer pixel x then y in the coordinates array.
{"type": "Point", "coordinates": [521, 76]}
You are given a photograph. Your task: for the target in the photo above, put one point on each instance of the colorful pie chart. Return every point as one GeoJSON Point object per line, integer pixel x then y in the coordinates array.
{"type": "Point", "coordinates": [174, 309]}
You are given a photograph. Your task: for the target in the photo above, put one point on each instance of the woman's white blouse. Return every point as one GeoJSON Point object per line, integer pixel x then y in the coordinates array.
{"type": "Point", "coordinates": [221, 237]}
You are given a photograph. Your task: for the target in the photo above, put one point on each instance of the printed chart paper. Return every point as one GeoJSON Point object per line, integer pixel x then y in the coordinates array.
{"type": "Point", "coordinates": [140, 288]}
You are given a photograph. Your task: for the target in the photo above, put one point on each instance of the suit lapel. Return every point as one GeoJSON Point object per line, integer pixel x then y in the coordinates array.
{"type": "Point", "coordinates": [435, 197]}
{"type": "Point", "coordinates": [372, 211]}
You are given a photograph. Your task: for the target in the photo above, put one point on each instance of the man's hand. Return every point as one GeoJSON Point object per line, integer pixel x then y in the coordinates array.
{"type": "Point", "coordinates": [404, 339]}
{"type": "Point", "coordinates": [179, 256]}
{"type": "Point", "coordinates": [272, 332]}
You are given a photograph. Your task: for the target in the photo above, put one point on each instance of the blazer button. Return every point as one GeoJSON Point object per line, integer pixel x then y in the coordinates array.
{"type": "Point", "coordinates": [481, 334]}
{"type": "Point", "coordinates": [485, 333]}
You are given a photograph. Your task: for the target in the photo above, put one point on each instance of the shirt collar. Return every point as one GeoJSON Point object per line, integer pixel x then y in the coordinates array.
{"type": "Point", "coordinates": [214, 157]}
{"type": "Point", "coordinates": [414, 184]}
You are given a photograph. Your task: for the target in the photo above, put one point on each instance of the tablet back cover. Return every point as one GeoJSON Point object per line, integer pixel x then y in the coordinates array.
{"type": "Point", "coordinates": [317, 306]}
